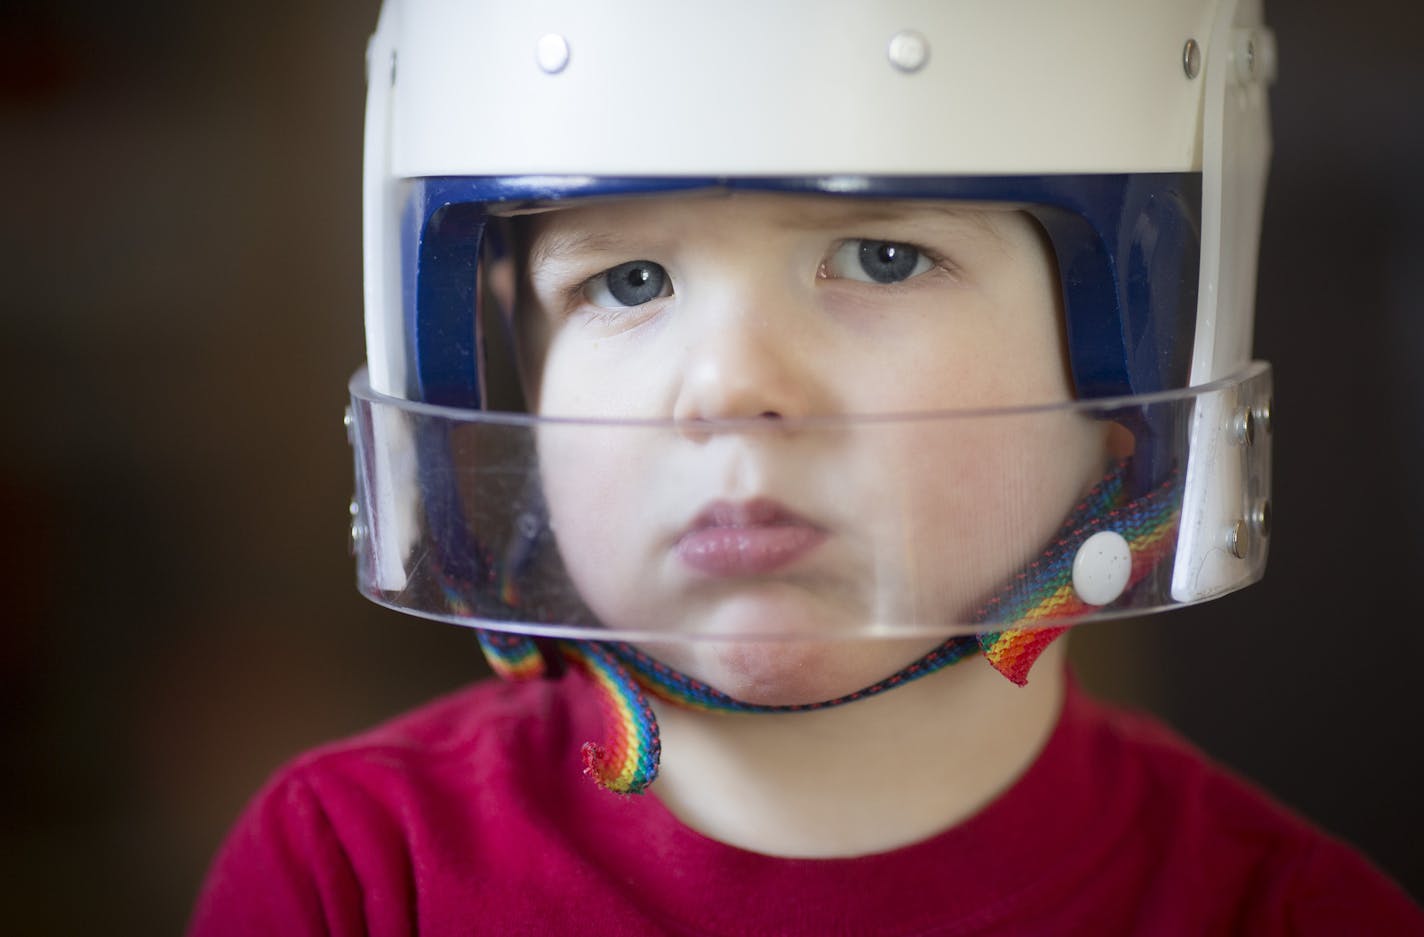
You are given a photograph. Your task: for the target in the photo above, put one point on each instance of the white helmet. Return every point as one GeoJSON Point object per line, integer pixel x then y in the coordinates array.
{"type": "Point", "coordinates": [1134, 133]}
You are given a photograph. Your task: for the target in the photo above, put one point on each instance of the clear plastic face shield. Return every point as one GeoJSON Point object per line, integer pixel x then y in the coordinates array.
{"type": "Point", "coordinates": [770, 401]}
{"type": "Point", "coordinates": [913, 525]}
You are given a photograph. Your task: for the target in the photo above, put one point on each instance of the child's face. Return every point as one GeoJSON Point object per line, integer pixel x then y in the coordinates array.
{"type": "Point", "coordinates": [713, 307]}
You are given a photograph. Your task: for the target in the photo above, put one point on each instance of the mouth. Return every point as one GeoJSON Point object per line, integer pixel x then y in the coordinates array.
{"type": "Point", "coordinates": [747, 538]}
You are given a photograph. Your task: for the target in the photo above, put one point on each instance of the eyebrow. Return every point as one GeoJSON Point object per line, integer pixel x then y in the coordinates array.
{"type": "Point", "coordinates": [550, 247]}
{"type": "Point", "coordinates": [560, 245]}
{"type": "Point", "coordinates": [878, 211]}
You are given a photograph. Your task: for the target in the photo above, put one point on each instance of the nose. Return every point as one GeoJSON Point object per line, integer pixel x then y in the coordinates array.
{"type": "Point", "coordinates": [745, 366]}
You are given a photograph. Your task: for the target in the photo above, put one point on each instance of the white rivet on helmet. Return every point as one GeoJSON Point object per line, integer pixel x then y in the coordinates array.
{"type": "Point", "coordinates": [552, 53]}
{"type": "Point", "coordinates": [1101, 567]}
{"type": "Point", "coordinates": [908, 50]}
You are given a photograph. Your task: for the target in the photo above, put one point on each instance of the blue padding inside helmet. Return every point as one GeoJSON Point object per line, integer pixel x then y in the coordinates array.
{"type": "Point", "coordinates": [1127, 247]}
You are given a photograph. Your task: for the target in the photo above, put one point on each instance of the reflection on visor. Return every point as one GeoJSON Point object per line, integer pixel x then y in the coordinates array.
{"type": "Point", "coordinates": [821, 528]}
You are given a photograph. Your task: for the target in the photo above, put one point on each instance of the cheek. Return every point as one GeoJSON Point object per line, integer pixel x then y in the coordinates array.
{"type": "Point", "coordinates": [973, 502]}
{"type": "Point", "coordinates": [592, 481]}
{"type": "Point", "coordinates": [624, 376]}
{"type": "Point", "coordinates": [577, 379]}
{"type": "Point", "coordinates": [605, 485]}
{"type": "Point", "coordinates": [967, 356]}
{"type": "Point", "coordinates": [563, 380]}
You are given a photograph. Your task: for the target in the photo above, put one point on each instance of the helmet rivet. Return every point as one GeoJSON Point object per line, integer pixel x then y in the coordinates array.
{"type": "Point", "coordinates": [1238, 539]}
{"type": "Point", "coordinates": [1191, 58]}
{"type": "Point", "coordinates": [1244, 427]}
{"type": "Point", "coordinates": [908, 50]}
{"type": "Point", "coordinates": [552, 53]}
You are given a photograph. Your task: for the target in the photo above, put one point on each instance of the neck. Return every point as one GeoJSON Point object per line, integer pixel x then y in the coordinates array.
{"type": "Point", "coordinates": [862, 778]}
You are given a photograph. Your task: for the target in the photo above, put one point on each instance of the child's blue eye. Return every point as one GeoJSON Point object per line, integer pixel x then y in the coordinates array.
{"type": "Point", "coordinates": [630, 284]}
{"type": "Point", "coordinates": [876, 261]}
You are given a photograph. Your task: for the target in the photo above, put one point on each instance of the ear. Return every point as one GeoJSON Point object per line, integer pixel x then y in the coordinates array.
{"type": "Point", "coordinates": [1121, 443]}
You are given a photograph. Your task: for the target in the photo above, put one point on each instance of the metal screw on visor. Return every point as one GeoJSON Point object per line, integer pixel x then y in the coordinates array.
{"type": "Point", "coordinates": [908, 50]}
{"type": "Point", "coordinates": [1238, 541]}
{"type": "Point", "coordinates": [1191, 58]}
{"type": "Point", "coordinates": [1244, 427]}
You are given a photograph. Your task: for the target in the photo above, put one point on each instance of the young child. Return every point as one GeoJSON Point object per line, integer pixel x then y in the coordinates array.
{"type": "Point", "coordinates": [864, 349]}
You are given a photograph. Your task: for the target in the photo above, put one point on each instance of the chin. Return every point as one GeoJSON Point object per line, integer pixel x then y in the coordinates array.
{"type": "Point", "coordinates": [794, 672]}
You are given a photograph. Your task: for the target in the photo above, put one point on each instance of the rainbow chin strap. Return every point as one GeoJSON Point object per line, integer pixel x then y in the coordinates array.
{"type": "Point", "coordinates": [627, 762]}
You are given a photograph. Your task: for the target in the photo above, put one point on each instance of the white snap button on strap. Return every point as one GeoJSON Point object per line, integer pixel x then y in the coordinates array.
{"type": "Point", "coordinates": [1102, 567]}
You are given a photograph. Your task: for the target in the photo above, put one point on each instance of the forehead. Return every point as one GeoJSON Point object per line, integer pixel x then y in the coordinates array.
{"type": "Point", "coordinates": [599, 225]}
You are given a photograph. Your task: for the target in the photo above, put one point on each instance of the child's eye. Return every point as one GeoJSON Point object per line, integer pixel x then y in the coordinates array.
{"type": "Point", "coordinates": [876, 262]}
{"type": "Point", "coordinates": [630, 284]}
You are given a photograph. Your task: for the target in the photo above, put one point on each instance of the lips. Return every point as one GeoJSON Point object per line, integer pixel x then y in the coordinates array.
{"type": "Point", "coordinates": [747, 538]}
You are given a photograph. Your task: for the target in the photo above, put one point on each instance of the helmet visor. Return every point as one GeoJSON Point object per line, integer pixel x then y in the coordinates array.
{"type": "Point", "coordinates": [925, 524]}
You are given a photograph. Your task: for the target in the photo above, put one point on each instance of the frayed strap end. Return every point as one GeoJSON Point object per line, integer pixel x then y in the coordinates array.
{"type": "Point", "coordinates": [1013, 652]}
{"type": "Point", "coordinates": [603, 770]}
{"type": "Point", "coordinates": [626, 761]}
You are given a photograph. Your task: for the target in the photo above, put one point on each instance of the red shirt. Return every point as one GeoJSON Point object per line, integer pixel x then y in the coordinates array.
{"type": "Point", "coordinates": [471, 816]}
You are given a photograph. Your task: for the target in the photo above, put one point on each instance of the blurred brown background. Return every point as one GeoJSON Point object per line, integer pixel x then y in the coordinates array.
{"type": "Point", "coordinates": [180, 286]}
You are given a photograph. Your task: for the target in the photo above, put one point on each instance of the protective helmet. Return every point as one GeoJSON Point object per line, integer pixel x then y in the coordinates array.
{"type": "Point", "coordinates": [1133, 133]}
